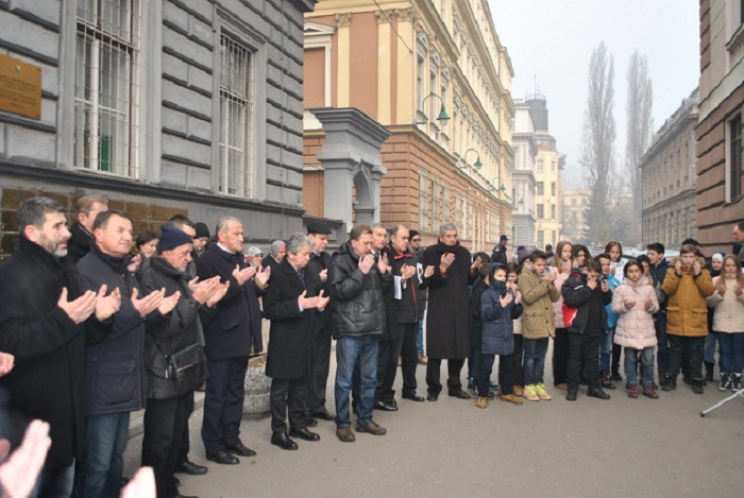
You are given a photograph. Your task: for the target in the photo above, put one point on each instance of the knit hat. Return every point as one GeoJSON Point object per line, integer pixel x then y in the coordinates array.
{"type": "Point", "coordinates": [522, 254]}
{"type": "Point", "coordinates": [172, 237]}
{"type": "Point", "coordinates": [201, 230]}
{"type": "Point", "coordinates": [718, 256]}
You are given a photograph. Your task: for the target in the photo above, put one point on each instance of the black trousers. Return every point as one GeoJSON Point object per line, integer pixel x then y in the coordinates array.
{"type": "Point", "coordinates": [183, 455]}
{"type": "Point", "coordinates": [161, 443]}
{"type": "Point", "coordinates": [584, 348]}
{"type": "Point", "coordinates": [433, 367]}
{"type": "Point", "coordinates": [223, 403]}
{"type": "Point", "coordinates": [387, 366]}
{"type": "Point", "coordinates": [689, 349]}
{"type": "Point", "coordinates": [288, 394]}
{"type": "Point", "coordinates": [617, 350]}
{"type": "Point", "coordinates": [506, 377]}
{"type": "Point", "coordinates": [317, 376]}
{"type": "Point", "coordinates": [560, 356]}
{"type": "Point", "coordinates": [409, 357]}
{"type": "Point", "coordinates": [518, 356]}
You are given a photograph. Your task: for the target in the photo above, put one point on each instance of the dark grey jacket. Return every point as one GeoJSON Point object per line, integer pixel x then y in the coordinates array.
{"type": "Point", "coordinates": [357, 300]}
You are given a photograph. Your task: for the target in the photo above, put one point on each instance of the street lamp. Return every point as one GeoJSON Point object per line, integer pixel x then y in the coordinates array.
{"type": "Point", "coordinates": [493, 188]}
{"type": "Point", "coordinates": [477, 162]}
{"type": "Point", "coordinates": [443, 116]}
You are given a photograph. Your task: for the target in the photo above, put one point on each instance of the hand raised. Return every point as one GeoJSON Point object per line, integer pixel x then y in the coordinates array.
{"type": "Point", "coordinates": [605, 286]}
{"type": "Point", "coordinates": [630, 304]}
{"type": "Point", "coordinates": [737, 290]}
{"type": "Point", "coordinates": [218, 294]}
{"type": "Point", "coordinates": [242, 276]}
{"type": "Point", "coordinates": [696, 267]}
{"type": "Point", "coordinates": [429, 271]}
{"type": "Point", "coordinates": [518, 300]}
{"type": "Point", "coordinates": [263, 275]}
{"type": "Point", "coordinates": [678, 266]}
{"type": "Point", "coordinates": [149, 303]}
{"type": "Point", "coordinates": [19, 473]}
{"type": "Point", "coordinates": [168, 303]}
{"type": "Point", "coordinates": [202, 291]}
{"type": "Point", "coordinates": [79, 309]}
{"type": "Point", "coordinates": [7, 361]}
{"type": "Point", "coordinates": [107, 305]}
{"type": "Point", "coordinates": [382, 264]}
{"type": "Point", "coordinates": [722, 290]}
{"type": "Point", "coordinates": [647, 305]}
{"type": "Point", "coordinates": [505, 300]}
{"type": "Point", "coordinates": [323, 300]}
{"type": "Point", "coordinates": [365, 263]}
{"type": "Point", "coordinates": [592, 283]}
{"type": "Point", "coordinates": [307, 303]}
{"type": "Point", "coordinates": [323, 275]}
{"type": "Point", "coordinates": [447, 260]}
{"type": "Point", "coordinates": [142, 485]}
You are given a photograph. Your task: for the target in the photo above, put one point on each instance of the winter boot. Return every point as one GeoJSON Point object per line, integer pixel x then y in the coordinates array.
{"type": "Point", "coordinates": [725, 382]}
{"type": "Point", "coordinates": [606, 382]}
{"type": "Point", "coordinates": [482, 402]}
{"type": "Point", "coordinates": [650, 392]}
{"type": "Point", "coordinates": [697, 386]}
{"type": "Point", "coordinates": [633, 391]}
{"type": "Point", "coordinates": [709, 367]}
{"type": "Point", "coordinates": [736, 382]}
{"type": "Point", "coordinates": [670, 384]}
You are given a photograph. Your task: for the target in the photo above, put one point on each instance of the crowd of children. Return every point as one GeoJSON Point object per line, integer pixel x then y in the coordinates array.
{"type": "Point", "coordinates": [600, 308]}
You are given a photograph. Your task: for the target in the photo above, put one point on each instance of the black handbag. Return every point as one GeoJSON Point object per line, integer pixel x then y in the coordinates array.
{"type": "Point", "coordinates": [188, 367]}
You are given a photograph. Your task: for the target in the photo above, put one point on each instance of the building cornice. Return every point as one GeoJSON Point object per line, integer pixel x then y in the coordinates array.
{"type": "Point", "coordinates": [685, 194]}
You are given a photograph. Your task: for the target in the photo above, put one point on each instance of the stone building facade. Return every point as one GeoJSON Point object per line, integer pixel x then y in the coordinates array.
{"type": "Point", "coordinates": [167, 106]}
{"type": "Point", "coordinates": [402, 64]}
{"type": "Point", "coordinates": [720, 157]}
{"type": "Point", "coordinates": [524, 183]}
{"type": "Point", "coordinates": [668, 179]}
{"type": "Point", "coordinates": [573, 215]}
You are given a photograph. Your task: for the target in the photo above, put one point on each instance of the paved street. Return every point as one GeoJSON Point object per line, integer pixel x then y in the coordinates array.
{"type": "Point", "coordinates": [590, 448]}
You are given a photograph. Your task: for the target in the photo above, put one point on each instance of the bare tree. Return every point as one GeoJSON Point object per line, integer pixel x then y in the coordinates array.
{"type": "Point", "coordinates": [598, 142]}
{"type": "Point", "coordinates": [640, 100]}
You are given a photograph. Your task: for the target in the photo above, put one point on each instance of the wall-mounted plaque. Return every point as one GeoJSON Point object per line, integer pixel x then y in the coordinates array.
{"type": "Point", "coordinates": [20, 87]}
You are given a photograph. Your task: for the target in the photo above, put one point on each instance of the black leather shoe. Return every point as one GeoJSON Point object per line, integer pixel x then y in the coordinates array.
{"type": "Point", "coordinates": [242, 450]}
{"type": "Point", "coordinates": [191, 469]}
{"type": "Point", "coordinates": [414, 397]}
{"type": "Point", "coordinates": [281, 439]}
{"type": "Point", "coordinates": [304, 434]}
{"type": "Point", "coordinates": [384, 406]}
{"type": "Point", "coordinates": [459, 394]}
{"type": "Point", "coordinates": [571, 393]}
{"type": "Point", "coordinates": [432, 397]}
{"type": "Point", "coordinates": [310, 422]}
{"type": "Point", "coordinates": [222, 457]}
{"type": "Point", "coordinates": [598, 393]}
{"type": "Point", "coordinates": [324, 415]}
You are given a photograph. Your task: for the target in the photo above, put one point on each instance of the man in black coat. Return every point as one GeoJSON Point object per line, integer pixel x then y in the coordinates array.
{"type": "Point", "coordinates": [738, 248]}
{"type": "Point", "coordinates": [291, 304]}
{"type": "Point", "coordinates": [659, 267]}
{"type": "Point", "coordinates": [177, 343]}
{"type": "Point", "coordinates": [115, 365]}
{"type": "Point", "coordinates": [88, 208]}
{"type": "Point", "coordinates": [499, 251]}
{"type": "Point", "coordinates": [276, 254]}
{"type": "Point", "coordinates": [44, 319]}
{"type": "Point", "coordinates": [447, 274]}
{"type": "Point", "coordinates": [320, 357]}
{"type": "Point", "coordinates": [229, 340]}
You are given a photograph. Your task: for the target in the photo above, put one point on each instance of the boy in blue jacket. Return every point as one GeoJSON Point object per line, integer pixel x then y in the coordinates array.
{"type": "Point", "coordinates": [606, 376]}
{"type": "Point", "coordinates": [500, 305]}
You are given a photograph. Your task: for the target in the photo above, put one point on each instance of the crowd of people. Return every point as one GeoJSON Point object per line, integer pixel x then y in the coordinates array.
{"type": "Point", "coordinates": [97, 323]}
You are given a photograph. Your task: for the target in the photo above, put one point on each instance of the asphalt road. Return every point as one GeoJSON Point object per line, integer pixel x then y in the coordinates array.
{"type": "Point", "coordinates": [590, 448]}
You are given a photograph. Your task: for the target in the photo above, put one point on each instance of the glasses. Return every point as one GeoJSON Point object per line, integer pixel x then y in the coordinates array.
{"type": "Point", "coordinates": [416, 239]}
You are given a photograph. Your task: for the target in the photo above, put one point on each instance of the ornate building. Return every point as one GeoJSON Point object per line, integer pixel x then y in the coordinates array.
{"type": "Point", "coordinates": [720, 161]}
{"type": "Point", "coordinates": [524, 183]}
{"type": "Point", "coordinates": [436, 76]}
{"type": "Point", "coordinates": [668, 178]}
{"type": "Point", "coordinates": [166, 107]}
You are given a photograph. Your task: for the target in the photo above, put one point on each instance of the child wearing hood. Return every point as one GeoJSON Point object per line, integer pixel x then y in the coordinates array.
{"type": "Point", "coordinates": [635, 303]}
{"type": "Point", "coordinates": [501, 303]}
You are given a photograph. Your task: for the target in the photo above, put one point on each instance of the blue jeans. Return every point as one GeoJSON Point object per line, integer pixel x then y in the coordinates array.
{"type": "Point", "coordinates": [106, 439]}
{"type": "Point", "coordinates": [605, 351]}
{"type": "Point", "coordinates": [631, 366]}
{"type": "Point", "coordinates": [732, 352]}
{"type": "Point", "coordinates": [350, 350]}
{"type": "Point", "coordinates": [709, 349]}
{"type": "Point", "coordinates": [534, 360]}
{"type": "Point", "coordinates": [55, 483]}
{"type": "Point", "coordinates": [420, 333]}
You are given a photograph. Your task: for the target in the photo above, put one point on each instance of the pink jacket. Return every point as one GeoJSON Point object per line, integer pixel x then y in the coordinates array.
{"type": "Point", "coordinates": [558, 305]}
{"type": "Point", "coordinates": [635, 326]}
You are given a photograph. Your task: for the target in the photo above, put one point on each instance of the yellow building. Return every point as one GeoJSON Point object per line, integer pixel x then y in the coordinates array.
{"type": "Point", "coordinates": [404, 64]}
{"type": "Point", "coordinates": [548, 166]}
{"type": "Point", "coordinates": [573, 214]}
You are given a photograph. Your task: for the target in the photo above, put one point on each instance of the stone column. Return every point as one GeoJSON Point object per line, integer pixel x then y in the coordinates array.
{"type": "Point", "coordinates": [351, 158]}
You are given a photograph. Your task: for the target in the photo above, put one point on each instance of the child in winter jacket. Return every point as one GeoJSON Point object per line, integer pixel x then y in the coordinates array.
{"type": "Point", "coordinates": [586, 296]}
{"type": "Point", "coordinates": [635, 303]}
{"type": "Point", "coordinates": [518, 371]}
{"type": "Point", "coordinates": [728, 321]}
{"type": "Point", "coordinates": [500, 305]}
{"type": "Point", "coordinates": [609, 355]}
{"type": "Point", "coordinates": [688, 285]}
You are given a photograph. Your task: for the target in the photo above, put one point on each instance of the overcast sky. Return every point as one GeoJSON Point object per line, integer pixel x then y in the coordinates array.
{"type": "Point", "coordinates": [551, 42]}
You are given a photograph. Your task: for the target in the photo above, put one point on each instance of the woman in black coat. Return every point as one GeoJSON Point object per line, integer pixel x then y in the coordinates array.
{"type": "Point", "coordinates": [290, 304]}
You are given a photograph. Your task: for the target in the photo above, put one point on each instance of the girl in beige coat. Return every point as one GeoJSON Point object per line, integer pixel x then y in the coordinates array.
{"type": "Point", "coordinates": [635, 303]}
{"type": "Point", "coordinates": [728, 321]}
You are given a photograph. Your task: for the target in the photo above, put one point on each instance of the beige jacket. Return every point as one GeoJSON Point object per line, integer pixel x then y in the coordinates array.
{"type": "Point", "coordinates": [537, 300]}
{"type": "Point", "coordinates": [728, 315]}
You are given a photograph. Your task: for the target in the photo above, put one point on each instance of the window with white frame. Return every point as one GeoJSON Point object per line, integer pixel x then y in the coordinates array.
{"type": "Point", "coordinates": [236, 118]}
{"type": "Point", "coordinates": [106, 86]}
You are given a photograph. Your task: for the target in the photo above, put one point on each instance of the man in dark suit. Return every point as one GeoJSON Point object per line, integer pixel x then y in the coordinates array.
{"type": "Point", "coordinates": [229, 339]}
{"type": "Point", "coordinates": [320, 354]}
{"type": "Point", "coordinates": [290, 304]}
